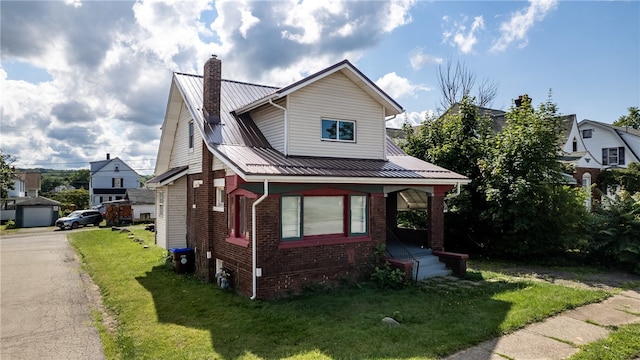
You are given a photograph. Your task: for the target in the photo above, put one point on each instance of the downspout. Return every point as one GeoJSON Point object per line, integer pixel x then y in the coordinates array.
{"type": "Point", "coordinates": [286, 126]}
{"type": "Point", "coordinates": [451, 196]}
{"type": "Point", "coordinates": [254, 232]}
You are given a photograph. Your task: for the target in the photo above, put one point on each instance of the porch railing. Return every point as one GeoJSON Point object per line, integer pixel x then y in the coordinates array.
{"type": "Point", "coordinates": [401, 252]}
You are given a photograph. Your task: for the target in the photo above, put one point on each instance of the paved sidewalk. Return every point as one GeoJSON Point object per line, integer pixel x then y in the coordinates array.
{"type": "Point", "coordinates": [559, 337]}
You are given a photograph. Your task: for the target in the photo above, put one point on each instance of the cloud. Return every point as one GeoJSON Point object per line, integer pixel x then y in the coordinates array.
{"type": "Point", "coordinates": [516, 28]}
{"type": "Point", "coordinates": [418, 59]}
{"type": "Point", "coordinates": [109, 63]}
{"type": "Point", "coordinates": [412, 118]}
{"type": "Point", "coordinates": [398, 87]}
{"type": "Point", "coordinates": [461, 37]}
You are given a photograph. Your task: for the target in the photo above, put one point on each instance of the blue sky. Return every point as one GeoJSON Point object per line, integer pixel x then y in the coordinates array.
{"type": "Point", "coordinates": [80, 79]}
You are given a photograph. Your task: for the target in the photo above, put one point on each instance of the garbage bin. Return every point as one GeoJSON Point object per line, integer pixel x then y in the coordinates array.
{"type": "Point", "coordinates": [183, 260]}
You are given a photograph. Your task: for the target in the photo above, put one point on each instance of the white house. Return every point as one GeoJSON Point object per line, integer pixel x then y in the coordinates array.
{"type": "Point", "coordinates": [110, 180]}
{"type": "Point", "coordinates": [611, 146]}
{"type": "Point", "coordinates": [19, 187]}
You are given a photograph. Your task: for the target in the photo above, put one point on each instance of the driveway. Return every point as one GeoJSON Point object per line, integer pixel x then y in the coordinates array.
{"type": "Point", "coordinates": [44, 300]}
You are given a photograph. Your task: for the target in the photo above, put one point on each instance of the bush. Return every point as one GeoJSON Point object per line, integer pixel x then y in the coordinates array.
{"type": "Point", "coordinates": [386, 277]}
{"type": "Point", "coordinates": [615, 232]}
{"type": "Point", "coordinates": [11, 224]}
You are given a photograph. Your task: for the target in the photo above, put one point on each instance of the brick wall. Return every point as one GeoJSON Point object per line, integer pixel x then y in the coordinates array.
{"type": "Point", "coordinates": [287, 271]}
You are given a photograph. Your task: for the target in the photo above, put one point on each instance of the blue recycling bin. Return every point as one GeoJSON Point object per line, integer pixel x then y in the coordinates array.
{"type": "Point", "coordinates": [183, 260]}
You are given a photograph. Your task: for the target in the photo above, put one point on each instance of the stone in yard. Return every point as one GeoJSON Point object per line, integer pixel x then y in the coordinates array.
{"type": "Point", "coordinates": [390, 321]}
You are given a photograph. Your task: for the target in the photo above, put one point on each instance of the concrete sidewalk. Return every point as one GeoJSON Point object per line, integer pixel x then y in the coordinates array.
{"type": "Point", "coordinates": [559, 337]}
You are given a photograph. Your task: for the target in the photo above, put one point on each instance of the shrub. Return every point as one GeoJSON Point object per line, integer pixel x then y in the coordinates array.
{"type": "Point", "coordinates": [386, 277]}
{"type": "Point", "coordinates": [616, 232]}
{"type": "Point", "coordinates": [11, 224]}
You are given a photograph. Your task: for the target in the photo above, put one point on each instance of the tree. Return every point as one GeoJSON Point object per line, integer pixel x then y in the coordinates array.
{"type": "Point", "coordinates": [457, 141]}
{"type": "Point", "coordinates": [80, 179]}
{"type": "Point", "coordinates": [457, 81]}
{"type": "Point", "coordinates": [531, 211]}
{"type": "Point", "coordinates": [78, 198]}
{"type": "Point", "coordinates": [632, 119]}
{"type": "Point", "coordinates": [7, 173]}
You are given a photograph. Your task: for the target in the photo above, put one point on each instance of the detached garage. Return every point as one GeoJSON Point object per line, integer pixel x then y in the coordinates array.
{"type": "Point", "coordinates": [38, 211]}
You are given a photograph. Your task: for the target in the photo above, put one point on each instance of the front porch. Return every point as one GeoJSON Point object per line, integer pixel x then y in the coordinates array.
{"type": "Point", "coordinates": [421, 250]}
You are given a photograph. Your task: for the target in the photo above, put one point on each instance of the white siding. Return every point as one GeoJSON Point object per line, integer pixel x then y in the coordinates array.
{"type": "Point", "coordinates": [143, 208]}
{"type": "Point", "coordinates": [161, 219]}
{"type": "Point", "coordinates": [338, 98]}
{"type": "Point", "coordinates": [603, 138]}
{"type": "Point", "coordinates": [270, 121]}
{"type": "Point", "coordinates": [177, 214]}
{"type": "Point", "coordinates": [181, 155]}
{"type": "Point", "coordinates": [171, 227]}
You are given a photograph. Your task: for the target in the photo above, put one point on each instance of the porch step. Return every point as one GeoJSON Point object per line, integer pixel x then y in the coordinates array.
{"type": "Point", "coordinates": [430, 266]}
{"type": "Point", "coordinates": [400, 252]}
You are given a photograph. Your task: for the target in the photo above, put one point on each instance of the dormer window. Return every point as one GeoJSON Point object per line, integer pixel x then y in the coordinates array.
{"type": "Point", "coordinates": [338, 130]}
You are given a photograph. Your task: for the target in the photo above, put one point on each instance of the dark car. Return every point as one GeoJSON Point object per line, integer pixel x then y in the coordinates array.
{"type": "Point", "coordinates": [80, 217]}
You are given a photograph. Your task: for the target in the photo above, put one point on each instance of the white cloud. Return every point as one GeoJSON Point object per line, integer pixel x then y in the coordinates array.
{"type": "Point", "coordinates": [110, 64]}
{"type": "Point", "coordinates": [517, 27]}
{"type": "Point", "coordinates": [398, 87]}
{"type": "Point", "coordinates": [461, 37]}
{"type": "Point", "coordinates": [418, 59]}
{"type": "Point", "coordinates": [412, 118]}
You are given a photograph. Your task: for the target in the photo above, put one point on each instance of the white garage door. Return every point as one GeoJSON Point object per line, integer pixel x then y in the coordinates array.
{"type": "Point", "coordinates": [37, 216]}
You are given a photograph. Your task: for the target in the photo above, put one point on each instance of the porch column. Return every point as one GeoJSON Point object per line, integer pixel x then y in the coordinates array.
{"type": "Point", "coordinates": [435, 219]}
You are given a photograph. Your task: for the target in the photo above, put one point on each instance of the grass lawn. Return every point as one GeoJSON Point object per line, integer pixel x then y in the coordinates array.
{"type": "Point", "coordinates": [162, 315]}
{"type": "Point", "coordinates": [622, 343]}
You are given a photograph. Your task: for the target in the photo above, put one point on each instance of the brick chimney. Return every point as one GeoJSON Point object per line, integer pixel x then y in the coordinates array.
{"type": "Point", "coordinates": [108, 156]}
{"type": "Point", "coordinates": [521, 99]}
{"type": "Point", "coordinates": [211, 90]}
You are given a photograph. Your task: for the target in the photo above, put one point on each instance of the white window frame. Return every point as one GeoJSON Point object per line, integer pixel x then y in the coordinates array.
{"type": "Point", "coordinates": [338, 122]}
{"type": "Point", "coordinates": [220, 194]}
{"type": "Point", "coordinates": [191, 138]}
{"type": "Point", "coordinates": [587, 131]}
{"type": "Point", "coordinates": [160, 203]}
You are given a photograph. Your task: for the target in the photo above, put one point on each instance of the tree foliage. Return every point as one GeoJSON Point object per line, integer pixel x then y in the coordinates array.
{"type": "Point", "coordinates": [632, 119]}
{"type": "Point", "coordinates": [516, 203]}
{"type": "Point", "coordinates": [7, 173]}
{"type": "Point", "coordinates": [78, 199]}
{"type": "Point", "coordinates": [615, 232]}
{"type": "Point", "coordinates": [628, 179]}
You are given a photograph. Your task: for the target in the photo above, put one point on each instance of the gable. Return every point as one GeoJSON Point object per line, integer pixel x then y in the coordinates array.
{"type": "Point", "coordinates": [335, 97]}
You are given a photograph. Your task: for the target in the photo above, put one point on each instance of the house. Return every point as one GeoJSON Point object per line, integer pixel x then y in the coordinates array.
{"type": "Point", "coordinates": [110, 180]}
{"type": "Point", "coordinates": [19, 187]}
{"type": "Point", "coordinates": [143, 204]}
{"type": "Point", "coordinates": [61, 188]}
{"type": "Point", "coordinates": [275, 188]}
{"type": "Point", "coordinates": [37, 211]}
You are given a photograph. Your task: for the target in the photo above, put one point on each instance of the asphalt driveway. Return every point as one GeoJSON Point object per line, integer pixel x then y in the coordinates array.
{"type": "Point", "coordinates": [45, 306]}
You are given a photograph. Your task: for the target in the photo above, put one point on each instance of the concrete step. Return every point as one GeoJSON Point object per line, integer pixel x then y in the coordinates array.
{"type": "Point", "coordinates": [440, 273]}
{"type": "Point", "coordinates": [430, 266]}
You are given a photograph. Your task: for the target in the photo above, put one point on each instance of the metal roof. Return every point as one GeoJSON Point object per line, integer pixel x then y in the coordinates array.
{"type": "Point", "coordinates": [239, 141]}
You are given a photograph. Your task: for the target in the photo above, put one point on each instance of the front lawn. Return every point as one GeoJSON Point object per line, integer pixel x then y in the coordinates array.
{"type": "Point", "coordinates": [162, 315]}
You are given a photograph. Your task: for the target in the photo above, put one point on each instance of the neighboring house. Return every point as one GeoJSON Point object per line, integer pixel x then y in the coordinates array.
{"type": "Point", "coordinates": [32, 183]}
{"type": "Point", "coordinates": [143, 204]}
{"type": "Point", "coordinates": [61, 188]}
{"type": "Point", "coordinates": [282, 187]}
{"type": "Point", "coordinates": [110, 180]}
{"type": "Point", "coordinates": [37, 211]}
{"type": "Point", "coordinates": [19, 187]}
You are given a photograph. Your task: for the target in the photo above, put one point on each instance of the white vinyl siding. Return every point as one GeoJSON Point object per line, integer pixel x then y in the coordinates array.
{"type": "Point", "coordinates": [181, 154]}
{"type": "Point", "coordinates": [171, 229]}
{"type": "Point", "coordinates": [270, 121]}
{"type": "Point", "coordinates": [335, 97]}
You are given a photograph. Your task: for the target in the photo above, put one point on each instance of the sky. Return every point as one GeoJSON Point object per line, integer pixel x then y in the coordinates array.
{"type": "Point", "coordinates": [80, 79]}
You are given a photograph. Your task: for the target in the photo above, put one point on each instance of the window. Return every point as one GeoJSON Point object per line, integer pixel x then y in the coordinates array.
{"type": "Point", "coordinates": [116, 182]}
{"type": "Point", "coordinates": [613, 156]}
{"type": "Point", "coordinates": [220, 195]}
{"type": "Point", "coordinates": [303, 216]}
{"type": "Point", "coordinates": [587, 133]}
{"type": "Point", "coordinates": [575, 145]}
{"type": "Point", "coordinates": [117, 169]}
{"type": "Point", "coordinates": [338, 130]}
{"type": "Point", "coordinates": [238, 223]}
{"type": "Point", "coordinates": [191, 136]}
{"type": "Point", "coordinates": [160, 203]}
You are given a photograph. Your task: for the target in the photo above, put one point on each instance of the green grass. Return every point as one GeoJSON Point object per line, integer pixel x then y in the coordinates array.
{"type": "Point", "coordinates": [622, 344]}
{"type": "Point", "coordinates": [162, 315]}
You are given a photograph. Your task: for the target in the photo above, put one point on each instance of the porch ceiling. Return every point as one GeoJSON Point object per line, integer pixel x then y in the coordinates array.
{"type": "Point", "coordinates": [412, 199]}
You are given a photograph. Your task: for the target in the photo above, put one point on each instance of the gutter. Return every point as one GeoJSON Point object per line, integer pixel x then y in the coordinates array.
{"type": "Point", "coordinates": [451, 196]}
{"type": "Point", "coordinates": [254, 232]}
{"type": "Point", "coordinates": [286, 126]}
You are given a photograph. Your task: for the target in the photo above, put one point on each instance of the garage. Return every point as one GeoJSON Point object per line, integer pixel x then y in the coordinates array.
{"type": "Point", "coordinates": [38, 211]}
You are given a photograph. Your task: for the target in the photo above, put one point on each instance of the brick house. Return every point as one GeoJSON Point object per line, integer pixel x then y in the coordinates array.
{"type": "Point", "coordinates": [305, 170]}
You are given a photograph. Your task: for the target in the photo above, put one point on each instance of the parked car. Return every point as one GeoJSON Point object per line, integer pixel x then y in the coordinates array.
{"type": "Point", "coordinates": [80, 217]}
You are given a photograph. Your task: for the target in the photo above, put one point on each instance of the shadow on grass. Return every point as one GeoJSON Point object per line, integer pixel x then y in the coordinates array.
{"type": "Point", "coordinates": [345, 323]}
